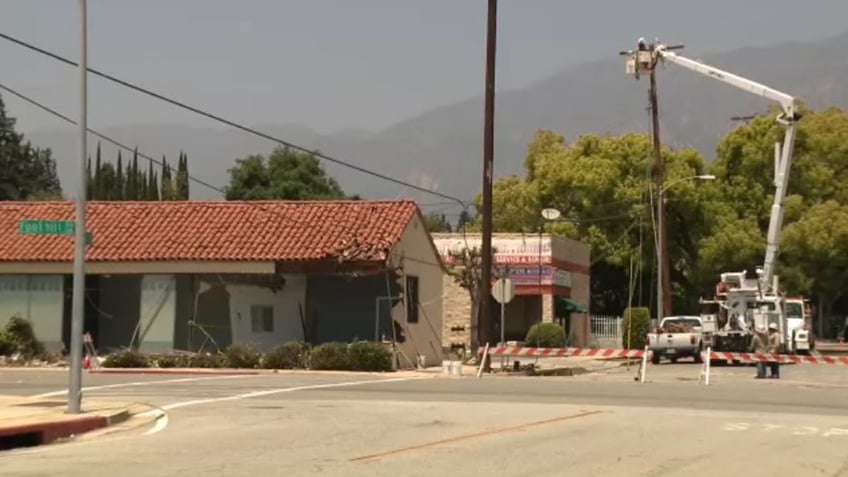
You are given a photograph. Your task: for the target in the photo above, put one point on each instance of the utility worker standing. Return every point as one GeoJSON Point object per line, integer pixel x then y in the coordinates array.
{"type": "Point", "coordinates": [773, 347]}
{"type": "Point", "coordinates": [758, 345]}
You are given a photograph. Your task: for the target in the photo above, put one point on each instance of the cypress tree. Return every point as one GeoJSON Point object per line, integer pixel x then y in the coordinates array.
{"type": "Point", "coordinates": [118, 193]}
{"type": "Point", "coordinates": [152, 188]}
{"type": "Point", "coordinates": [89, 181]}
{"type": "Point", "coordinates": [182, 190]}
{"type": "Point", "coordinates": [133, 182]}
{"type": "Point", "coordinates": [97, 189]}
{"type": "Point", "coordinates": [167, 186]}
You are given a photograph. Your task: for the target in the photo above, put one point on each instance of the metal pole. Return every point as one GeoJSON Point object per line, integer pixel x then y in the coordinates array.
{"type": "Point", "coordinates": [541, 296]}
{"type": "Point", "coordinates": [78, 301]}
{"type": "Point", "coordinates": [485, 320]}
{"type": "Point", "coordinates": [503, 322]}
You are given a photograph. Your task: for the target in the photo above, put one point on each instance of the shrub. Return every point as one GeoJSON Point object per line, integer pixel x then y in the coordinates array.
{"type": "Point", "coordinates": [545, 335]}
{"type": "Point", "coordinates": [21, 338]}
{"type": "Point", "coordinates": [330, 356]}
{"type": "Point", "coordinates": [369, 356]}
{"type": "Point", "coordinates": [640, 328]}
{"type": "Point", "coordinates": [205, 360]}
{"type": "Point", "coordinates": [126, 358]}
{"type": "Point", "coordinates": [291, 355]}
{"type": "Point", "coordinates": [172, 361]}
{"type": "Point", "coordinates": [7, 344]}
{"type": "Point", "coordinates": [242, 356]}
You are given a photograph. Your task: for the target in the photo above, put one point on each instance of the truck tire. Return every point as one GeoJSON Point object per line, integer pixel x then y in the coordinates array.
{"type": "Point", "coordinates": [655, 358]}
{"type": "Point", "coordinates": [699, 358]}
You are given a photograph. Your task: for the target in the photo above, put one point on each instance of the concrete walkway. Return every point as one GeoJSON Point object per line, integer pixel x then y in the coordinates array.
{"type": "Point", "coordinates": [31, 421]}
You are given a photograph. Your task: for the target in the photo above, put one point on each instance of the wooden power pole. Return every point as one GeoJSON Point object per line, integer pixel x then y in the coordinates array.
{"type": "Point", "coordinates": [485, 324]}
{"type": "Point", "coordinates": [664, 302]}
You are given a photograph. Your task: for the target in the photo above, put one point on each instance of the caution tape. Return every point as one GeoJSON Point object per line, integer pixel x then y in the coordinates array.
{"type": "Point", "coordinates": [780, 358]}
{"type": "Point", "coordinates": [521, 351]}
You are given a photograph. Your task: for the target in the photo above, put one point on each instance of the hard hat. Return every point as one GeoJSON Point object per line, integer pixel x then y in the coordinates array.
{"type": "Point", "coordinates": [773, 326]}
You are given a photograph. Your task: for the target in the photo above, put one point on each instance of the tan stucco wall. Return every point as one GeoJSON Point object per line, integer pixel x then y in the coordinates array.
{"type": "Point", "coordinates": [579, 254]}
{"type": "Point", "coordinates": [419, 258]}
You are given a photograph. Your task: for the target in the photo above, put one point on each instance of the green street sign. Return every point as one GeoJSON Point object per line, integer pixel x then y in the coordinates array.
{"type": "Point", "coordinates": [51, 227]}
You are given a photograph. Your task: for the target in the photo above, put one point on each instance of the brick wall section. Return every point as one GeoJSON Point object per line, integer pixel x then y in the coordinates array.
{"type": "Point", "coordinates": [457, 313]}
{"type": "Point", "coordinates": [547, 308]}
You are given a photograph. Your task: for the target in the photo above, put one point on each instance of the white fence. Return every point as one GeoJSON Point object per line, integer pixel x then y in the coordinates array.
{"type": "Point", "coordinates": [606, 331]}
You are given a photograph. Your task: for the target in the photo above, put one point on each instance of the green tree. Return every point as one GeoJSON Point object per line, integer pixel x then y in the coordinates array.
{"type": "Point", "coordinates": [287, 174]}
{"type": "Point", "coordinates": [119, 191]}
{"type": "Point", "coordinates": [26, 172]}
{"type": "Point", "coordinates": [182, 178]}
{"type": "Point", "coordinates": [436, 222]}
{"type": "Point", "coordinates": [151, 190]}
{"type": "Point", "coordinates": [600, 184]}
{"type": "Point", "coordinates": [97, 186]}
{"type": "Point", "coordinates": [167, 184]}
{"type": "Point", "coordinates": [818, 246]}
{"type": "Point", "coordinates": [133, 179]}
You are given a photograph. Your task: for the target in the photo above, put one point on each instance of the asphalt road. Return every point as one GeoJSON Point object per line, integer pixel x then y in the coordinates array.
{"type": "Point", "coordinates": [348, 425]}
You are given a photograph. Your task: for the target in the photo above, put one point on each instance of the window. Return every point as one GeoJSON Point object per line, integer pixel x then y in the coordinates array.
{"type": "Point", "coordinates": [262, 319]}
{"type": "Point", "coordinates": [412, 299]}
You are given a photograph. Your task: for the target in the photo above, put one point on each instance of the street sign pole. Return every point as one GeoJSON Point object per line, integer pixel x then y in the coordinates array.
{"type": "Point", "coordinates": [78, 300]}
{"type": "Point", "coordinates": [503, 324]}
{"type": "Point", "coordinates": [503, 291]}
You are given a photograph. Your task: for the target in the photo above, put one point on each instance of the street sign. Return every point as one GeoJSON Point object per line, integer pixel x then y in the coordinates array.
{"type": "Point", "coordinates": [503, 290]}
{"type": "Point", "coordinates": [46, 227]}
{"type": "Point", "coordinates": [51, 227]}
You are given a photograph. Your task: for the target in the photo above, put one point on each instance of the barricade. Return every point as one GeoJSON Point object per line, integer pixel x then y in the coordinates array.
{"type": "Point", "coordinates": [764, 357]}
{"type": "Point", "coordinates": [530, 352]}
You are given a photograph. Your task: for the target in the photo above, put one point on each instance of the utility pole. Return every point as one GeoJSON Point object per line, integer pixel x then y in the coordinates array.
{"type": "Point", "coordinates": [78, 300]}
{"type": "Point", "coordinates": [663, 272]}
{"type": "Point", "coordinates": [484, 325]}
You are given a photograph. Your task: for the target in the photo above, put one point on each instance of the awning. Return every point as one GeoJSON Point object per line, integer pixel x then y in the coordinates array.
{"type": "Point", "coordinates": [567, 305]}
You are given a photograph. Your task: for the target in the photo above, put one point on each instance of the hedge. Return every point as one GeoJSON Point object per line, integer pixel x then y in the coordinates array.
{"type": "Point", "coordinates": [545, 335]}
{"type": "Point", "coordinates": [291, 355]}
{"type": "Point", "coordinates": [358, 356]}
{"type": "Point", "coordinates": [641, 318]}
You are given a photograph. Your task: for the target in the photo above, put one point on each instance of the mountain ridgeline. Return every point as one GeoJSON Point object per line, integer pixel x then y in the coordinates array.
{"type": "Point", "coordinates": [442, 148]}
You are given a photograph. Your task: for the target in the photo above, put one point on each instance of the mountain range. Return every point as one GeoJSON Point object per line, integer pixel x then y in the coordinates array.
{"type": "Point", "coordinates": [441, 149]}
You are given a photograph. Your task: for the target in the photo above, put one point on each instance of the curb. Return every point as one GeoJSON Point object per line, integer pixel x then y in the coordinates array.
{"type": "Point", "coordinates": [250, 372]}
{"type": "Point", "coordinates": [218, 372]}
{"type": "Point", "coordinates": [44, 433]}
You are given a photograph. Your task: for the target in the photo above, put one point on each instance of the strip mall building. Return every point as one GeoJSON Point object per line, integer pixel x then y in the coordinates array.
{"type": "Point", "coordinates": [551, 277]}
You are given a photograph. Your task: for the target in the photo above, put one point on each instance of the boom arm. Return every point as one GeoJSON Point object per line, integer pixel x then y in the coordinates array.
{"type": "Point", "coordinates": [787, 103]}
{"type": "Point", "coordinates": [645, 58]}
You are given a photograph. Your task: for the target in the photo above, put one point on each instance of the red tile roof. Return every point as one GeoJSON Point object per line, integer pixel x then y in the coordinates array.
{"type": "Point", "coordinates": [212, 230]}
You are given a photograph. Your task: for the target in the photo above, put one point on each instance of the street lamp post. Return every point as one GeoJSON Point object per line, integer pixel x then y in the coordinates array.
{"type": "Point", "coordinates": [663, 269]}
{"type": "Point", "coordinates": [548, 214]}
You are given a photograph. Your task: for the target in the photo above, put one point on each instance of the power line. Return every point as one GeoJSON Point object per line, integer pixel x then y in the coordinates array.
{"type": "Point", "coordinates": [230, 123]}
{"type": "Point", "coordinates": [160, 163]}
{"type": "Point", "coordinates": [259, 206]}
{"type": "Point", "coordinates": [107, 138]}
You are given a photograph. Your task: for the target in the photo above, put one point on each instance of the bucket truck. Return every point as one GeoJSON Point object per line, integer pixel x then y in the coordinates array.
{"type": "Point", "coordinates": [744, 300]}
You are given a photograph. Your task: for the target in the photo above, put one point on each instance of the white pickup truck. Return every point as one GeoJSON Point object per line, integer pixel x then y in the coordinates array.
{"type": "Point", "coordinates": [677, 337]}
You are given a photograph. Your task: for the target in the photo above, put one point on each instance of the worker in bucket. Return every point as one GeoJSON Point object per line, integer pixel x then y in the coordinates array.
{"type": "Point", "coordinates": [773, 347]}
{"type": "Point", "coordinates": [758, 346]}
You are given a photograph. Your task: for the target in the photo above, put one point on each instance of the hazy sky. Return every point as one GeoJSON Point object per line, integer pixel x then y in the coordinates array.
{"type": "Point", "coordinates": [331, 64]}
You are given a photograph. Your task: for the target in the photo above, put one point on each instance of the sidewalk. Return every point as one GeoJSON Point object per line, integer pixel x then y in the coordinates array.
{"type": "Point", "coordinates": [28, 422]}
